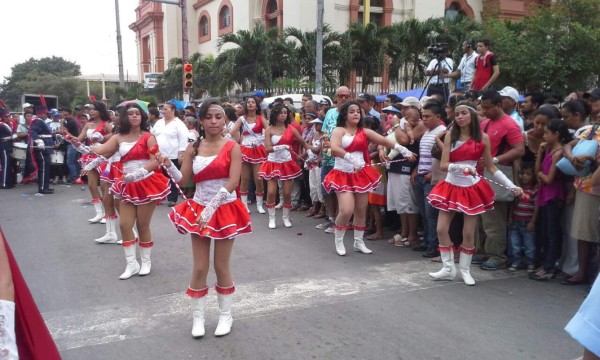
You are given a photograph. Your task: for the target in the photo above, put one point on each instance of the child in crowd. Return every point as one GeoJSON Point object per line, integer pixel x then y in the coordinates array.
{"type": "Point", "coordinates": [377, 196]}
{"type": "Point", "coordinates": [314, 169]}
{"type": "Point", "coordinates": [551, 197]}
{"type": "Point", "coordinates": [522, 221]}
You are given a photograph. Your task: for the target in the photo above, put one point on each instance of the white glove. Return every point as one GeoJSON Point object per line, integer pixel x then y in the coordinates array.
{"type": "Point", "coordinates": [94, 163]}
{"type": "Point", "coordinates": [404, 151]}
{"type": "Point", "coordinates": [311, 155]}
{"type": "Point", "coordinates": [503, 180]}
{"type": "Point", "coordinates": [39, 143]}
{"type": "Point", "coordinates": [461, 168]}
{"type": "Point", "coordinates": [355, 162]}
{"type": "Point", "coordinates": [135, 176]}
{"type": "Point", "coordinates": [175, 173]}
{"type": "Point", "coordinates": [96, 136]}
{"type": "Point", "coordinates": [213, 204]}
{"type": "Point", "coordinates": [8, 340]}
{"type": "Point", "coordinates": [280, 147]}
{"type": "Point", "coordinates": [82, 149]}
{"type": "Point", "coordinates": [14, 136]}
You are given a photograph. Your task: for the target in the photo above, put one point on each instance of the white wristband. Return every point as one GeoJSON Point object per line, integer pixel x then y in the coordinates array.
{"type": "Point", "coordinates": [503, 180]}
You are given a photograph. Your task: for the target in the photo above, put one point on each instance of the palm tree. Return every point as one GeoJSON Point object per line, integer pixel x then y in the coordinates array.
{"type": "Point", "coordinates": [412, 37]}
{"type": "Point", "coordinates": [369, 45]}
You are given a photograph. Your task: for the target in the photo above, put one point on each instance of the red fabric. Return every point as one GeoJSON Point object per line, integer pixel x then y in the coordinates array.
{"type": "Point", "coordinates": [471, 200]}
{"type": "Point", "coordinates": [279, 171]}
{"type": "Point", "coordinates": [467, 251]}
{"type": "Point", "coordinates": [219, 167]}
{"type": "Point", "coordinates": [156, 187]}
{"type": "Point", "coordinates": [146, 245]}
{"type": "Point", "coordinates": [110, 175]}
{"type": "Point", "coordinates": [129, 243]}
{"type": "Point", "coordinates": [498, 129]}
{"type": "Point", "coordinates": [361, 181]}
{"type": "Point", "coordinates": [483, 71]}
{"type": "Point", "coordinates": [360, 143]}
{"type": "Point", "coordinates": [225, 291]}
{"type": "Point", "coordinates": [258, 126]}
{"type": "Point", "coordinates": [33, 176]}
{"type": "Point", "coordinates": [470, 150]}
{"type": "Point", "coordinates": [360, 228]}
{"type": "Point", "coordinates": [139, 151]}
{"type": "Point", "coordinates": [197, 294]}
{"type": "Point", "coordinates": [254, 155]}
{"type": "Point", "coordinates": [230, 220]}
{"type": "Point", "coordinates": [33, 338]}
{"type": "Point", "coordinates": [100, 129]}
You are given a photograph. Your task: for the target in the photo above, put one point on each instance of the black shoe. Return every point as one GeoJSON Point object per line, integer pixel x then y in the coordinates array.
{"type": "Point", "coordinates": [46, 191]}
{"type": "Point", "coordinates": [431, 253]}
{"type": "Point", "coordinates": [420, 247]}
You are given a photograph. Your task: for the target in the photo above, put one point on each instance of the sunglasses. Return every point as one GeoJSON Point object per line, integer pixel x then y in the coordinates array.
{"type": "Point", "coordinates": [341, 96]}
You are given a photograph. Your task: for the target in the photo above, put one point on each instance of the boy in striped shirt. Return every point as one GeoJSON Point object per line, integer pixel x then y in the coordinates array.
{"type": "Point", "coordinates": [521, 221]}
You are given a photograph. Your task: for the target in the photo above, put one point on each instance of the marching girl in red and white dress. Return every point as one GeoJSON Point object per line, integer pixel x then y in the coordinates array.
{"type": "Point", "coordinates": [95, 132]}
{"type": "Point", "coordinates": [252, 125]}
{"type": "Point", "coordinates": [463, 190]}
{"type": "Point", "coordinates": [215, 212]}
{"type": "Point", "coordinates": [279, 165]}
{"type": "Point", "coordinates": [139, 189]}
{"type": "Point", "coordinates": [350, 178]}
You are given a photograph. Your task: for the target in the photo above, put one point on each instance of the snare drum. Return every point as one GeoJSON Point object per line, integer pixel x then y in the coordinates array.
{"type": "Point", "coordinates": [58, 158]}
{"type": "Point", "coordinates": [19, 151]}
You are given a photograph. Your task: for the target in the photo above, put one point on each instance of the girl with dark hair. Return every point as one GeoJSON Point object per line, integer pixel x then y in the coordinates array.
{"type": "Point", "coordinates": [574, 113]}
{"type": "Point", "coordinates": [350, 178]}
{"type": "Point", "coordinates": [215, 212]}
{"type": "Point", "coordinates": [96, 131]}
{"type": "Point", "coordinates": [551, 197]}
{"type": "Point", "coordinates": [252, 125]}
{"type": "Point", "coordinates": [139, 189]}
{"type": "Point", "coordinates": [462, 190]}
{"type": "Point", "coordinates": [280, 165]}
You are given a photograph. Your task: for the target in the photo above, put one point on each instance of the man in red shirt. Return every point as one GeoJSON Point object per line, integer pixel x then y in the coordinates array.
{"type": "Point", "coordinates": [506, 146]}
{"type": "Point", "coordinates": [486, 67]}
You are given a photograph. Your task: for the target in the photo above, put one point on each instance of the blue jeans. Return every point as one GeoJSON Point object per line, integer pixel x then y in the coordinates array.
{"type": "Point", "coordinates": [72, 163]}
{"type": "Point", "coordinates": [429, 214]}
{"type": "Point", "coordinates": [521, 240]}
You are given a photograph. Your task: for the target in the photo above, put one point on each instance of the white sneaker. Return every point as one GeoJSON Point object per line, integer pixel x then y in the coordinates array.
{"type": "Point", "coordinates": [279, 206]}
{"type": "Point", "coordinates": [325, 225]}
{"type": "Point", "coordinates": [330, 230]}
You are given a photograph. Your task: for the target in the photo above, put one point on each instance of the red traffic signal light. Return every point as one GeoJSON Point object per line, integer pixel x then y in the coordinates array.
{"type": "Point", "coordinates": [188, 76]}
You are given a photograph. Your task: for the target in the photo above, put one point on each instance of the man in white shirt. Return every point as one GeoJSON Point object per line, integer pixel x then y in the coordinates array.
{"type": "Point", "coordinates": [172, 138]}
{"type": "Point", "coordinates": [438, 69]}
{"type": "Point", "coordinates": [466, 68]}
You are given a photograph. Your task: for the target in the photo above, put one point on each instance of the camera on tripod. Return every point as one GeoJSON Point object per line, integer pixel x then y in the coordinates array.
{"type": "Point", "coordinates": [438, 50]}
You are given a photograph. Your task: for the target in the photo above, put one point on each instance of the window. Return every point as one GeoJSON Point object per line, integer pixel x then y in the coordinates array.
{"type": "Point", "coordinates": [225, 18]}
{"type": "Point", "coordinates": [376, 3]}
{"type": "Point", "coordinates": [272, 14]}
{"type": "Point", "coordinates": [272, 6]}
{"type": "Point", "coordinates": [204, 29]}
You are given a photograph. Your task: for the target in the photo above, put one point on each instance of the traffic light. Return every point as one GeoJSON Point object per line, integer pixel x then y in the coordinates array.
{"type": "Point", "coordinates": [188, 76]}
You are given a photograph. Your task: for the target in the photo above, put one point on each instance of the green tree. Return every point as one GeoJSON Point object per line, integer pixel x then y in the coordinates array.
{"type": "Point", "coordinates": [411, 38]}
{"type": "Point", "coordinates": [369, 44]}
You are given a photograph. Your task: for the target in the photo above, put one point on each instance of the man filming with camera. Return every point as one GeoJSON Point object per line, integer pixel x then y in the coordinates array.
{"type": "Point", "coordinates": [438, 70]}
{"type": "Point", "coordinates": [466, 68]}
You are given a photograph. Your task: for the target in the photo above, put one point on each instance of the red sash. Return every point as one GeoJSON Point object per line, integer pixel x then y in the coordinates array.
{"type": "Point", "coordinates": [219, 167]}
{"type": "Point", "coordinates": [360, 143]}
{"type": "Point", "coordinates": [139, 151]}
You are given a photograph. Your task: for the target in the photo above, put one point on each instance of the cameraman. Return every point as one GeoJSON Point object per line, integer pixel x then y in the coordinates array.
{"type": "Point", "coordinates": [466, 68]}
{"type": "Point", "coordinates": [438, 69]}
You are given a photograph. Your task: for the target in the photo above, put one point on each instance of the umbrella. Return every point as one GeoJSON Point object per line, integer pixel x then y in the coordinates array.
{"type": "Point", "coordinates": [142, 104]}
{"type": "Point", "coordinates": [179, 104]}
{"type": "Point", "coordinates": [403, 94]}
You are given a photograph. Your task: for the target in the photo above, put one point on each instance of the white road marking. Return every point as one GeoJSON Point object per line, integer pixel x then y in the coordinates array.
{"type": "Point", "coordinates": [75, 328]}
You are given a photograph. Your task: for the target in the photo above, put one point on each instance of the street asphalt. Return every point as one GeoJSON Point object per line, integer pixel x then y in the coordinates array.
{"type": "Point", "coordinates": [295, 299]}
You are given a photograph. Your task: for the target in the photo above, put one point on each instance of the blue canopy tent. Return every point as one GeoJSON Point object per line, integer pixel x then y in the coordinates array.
{"type": "Point", "coordinates": [403, 94]}
{"type": "Point", "coordinates": [180, 104]}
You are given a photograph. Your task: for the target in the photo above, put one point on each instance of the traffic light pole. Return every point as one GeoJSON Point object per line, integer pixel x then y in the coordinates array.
{"type": "Point", "coordinates": [184, 45]}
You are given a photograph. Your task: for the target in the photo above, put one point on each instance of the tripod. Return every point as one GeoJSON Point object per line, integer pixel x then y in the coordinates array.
{"type": "Point", "coordinates": [437, 71]}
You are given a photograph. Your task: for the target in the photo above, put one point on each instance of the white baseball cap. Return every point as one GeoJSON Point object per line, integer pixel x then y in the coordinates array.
{"type": "Point", "coordinates": [26, 105]}
{"type": "Point", "coordinates": [510, 92]}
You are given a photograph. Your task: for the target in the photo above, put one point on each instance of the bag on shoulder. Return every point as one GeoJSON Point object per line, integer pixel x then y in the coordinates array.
{"type": "Point", "coordinates": [587, 147]}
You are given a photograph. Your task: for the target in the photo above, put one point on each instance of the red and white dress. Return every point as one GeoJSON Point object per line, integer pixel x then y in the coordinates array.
{"type": "Point", "coordinates": [231, 219]}
{"type": "Point", "coordinates": [466, 194]}
{"type": "Point", "coordinates": [86, 158]}
{"type": "Point", "coordinates": [253, 142]}
{"type": "Point", "coordinates": [111, 170]}
{"type": "Point", "coordinates": [154, 187]}
{"type": "Point", "coordinates": [343, 177]}
{"type": "Point", "coordinates": [279, 164]}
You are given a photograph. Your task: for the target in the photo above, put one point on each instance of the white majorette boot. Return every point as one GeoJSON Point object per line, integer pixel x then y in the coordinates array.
{"type": "Point", "coordinates": [464, 265]}
{"type": "Point", "coordinates": [133, 267]}
{"type": "Point", "coordinates": [259, 203]}
{"type": "Point", "coordinates": [111, 231]}
{"type": "Point", "coordinates": [99, 211]}
{"type": "Point", "coordinates": [448, 271]}
{"type": "Point", "coordinates": [339, 233]}
{"type": "Point", "coordinates": [104, 219]}
{"type": "Point", "coordinates": [225, 296]}
{"type": "Point", "coordinates": [286, 215]}
{"type": "Point", "coordinates": [8, 340]}
{"type": "Point", "coordinates": [244, 199]}
{"type": "Point", "coordinates": [359, 244]}
{"type": "Point", "coordinates": [199, 305]}
{"type": "Point", "coordinates": [271, 210]}
{"type": "Point", "coordinates": [145, 250]}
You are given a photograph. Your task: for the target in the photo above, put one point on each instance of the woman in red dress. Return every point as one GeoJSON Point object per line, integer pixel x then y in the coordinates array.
{"type": "Point", "coordinates": [95, 132]}
{"type": "Point", "coordinates": [351, 178]}
{"type": "Point", "coordinates": [139, 189]}
{"type": "Point", "coordinates": [252, 125]}
{"type": "Point", "coordinates": [279, 165]}
{"type": "Point", "coordinates": [215, 212]}
{"type": "Point", "coordinates": [463, 190]}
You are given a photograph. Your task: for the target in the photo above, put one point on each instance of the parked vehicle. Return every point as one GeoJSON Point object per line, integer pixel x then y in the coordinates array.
{"type": "Point", "coordinates": [297, 99]}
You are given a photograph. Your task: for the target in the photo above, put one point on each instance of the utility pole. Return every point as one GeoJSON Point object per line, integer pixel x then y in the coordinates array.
{"type": "Point", "coordinates": [367, 12]}
{"type": "Point", "coordinates": [184, 45]}
{"type": "Point", "coordinates": [319, 55]}
{"type": "Point", "coordinates": [119, 46]}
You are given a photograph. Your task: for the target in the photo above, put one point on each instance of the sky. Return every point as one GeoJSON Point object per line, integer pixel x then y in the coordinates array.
{"type": "Point", "coordinates": [81, 31]}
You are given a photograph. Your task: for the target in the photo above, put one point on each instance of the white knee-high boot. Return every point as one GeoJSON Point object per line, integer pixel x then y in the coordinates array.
{"type": "Point", "coordinates": [244, 199]}
{"type": "Point", "coordinates": [448, 271]}
{"type": "Point", "coordinates": [339, 233]}
{"type": "Point", "coordinates": [359, 244]}
{"type": "Point", "coordinates": [199, 305]}
{"type": "Point", "coordinates": [259, 202]}
{"type": "Point", "coordinates": [8, 340]}
{"type": "Point", "coordinates": [111, 231]}
{"type": "Point", "coordinates": [99, 211]}
{"type": "Point", "coordinates": [286, 215]}
{"type": "Point", "coordinates": [464, 265]}
{"type": "Point", "coordinates": [271, 210]}
{"type": "Point", "coordinates": [133, 267]}
{"type": "Point", "coordinates": [145, 251]}
{"type": "Point", "coordinates": [225, 297]}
